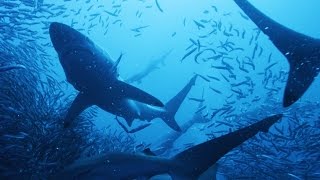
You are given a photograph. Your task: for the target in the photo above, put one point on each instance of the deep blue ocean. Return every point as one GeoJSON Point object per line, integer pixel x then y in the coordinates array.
{"type": "Point", "coordinates": [157, 46]}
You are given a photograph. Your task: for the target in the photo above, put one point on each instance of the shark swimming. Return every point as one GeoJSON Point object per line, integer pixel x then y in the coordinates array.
{"type": "Point", "coordinates": [301, 51]}
{"type": "Point", "coordinates": [188, 164]}
{"type": "Point", "coordinates": [152, 66]}
{"type": "Point", "coordinates": [94, 74]}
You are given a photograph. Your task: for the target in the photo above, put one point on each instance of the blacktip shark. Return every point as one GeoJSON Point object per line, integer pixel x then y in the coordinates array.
{"type": "Point", "coordinates": [187, 165]}
{"type": "Point", "coordinates": [301, 51]}
{"type": "Point", "coordinates": [94, 74]}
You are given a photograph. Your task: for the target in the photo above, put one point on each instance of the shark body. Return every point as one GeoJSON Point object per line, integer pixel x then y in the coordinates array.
{"type": "Point", "coordinates": [187, 165]}
{"type": "Point", "coordinates": [94, 74]}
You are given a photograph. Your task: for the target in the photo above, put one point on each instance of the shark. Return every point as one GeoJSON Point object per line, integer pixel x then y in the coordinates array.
{"type": "Point", "coordinates": [152, 66]}
{"type": "Point", "coordinates": [301, 51]}
{"type": "Point", "coordinates": [188, 164]}
{"type": "Point", "coordinates": [91, 71]}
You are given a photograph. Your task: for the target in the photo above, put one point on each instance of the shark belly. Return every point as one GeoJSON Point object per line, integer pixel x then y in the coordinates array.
{"type": "Point", "coordinates": [86, 70]}
{"type": "Point", "coordinates": [148, 112]}
{"type": "Point", "coordinates": [119, 107]}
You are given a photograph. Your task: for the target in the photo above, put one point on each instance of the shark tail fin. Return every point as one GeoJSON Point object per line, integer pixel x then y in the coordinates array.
{"type": "Point", "coordinates": [174, 104]}
{"type": "Point", "coordinates": [301, 51]}
{"type": "Point", "coordinates": [195, 161]}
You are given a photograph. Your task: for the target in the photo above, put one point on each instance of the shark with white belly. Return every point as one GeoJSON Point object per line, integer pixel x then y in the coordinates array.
{"type": "Point", "coordinates": [94, 74]}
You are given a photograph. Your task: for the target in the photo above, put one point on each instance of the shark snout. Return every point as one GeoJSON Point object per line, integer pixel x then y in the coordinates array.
{"type": "Point", "coordinates": [56, 35]}
{"type": "Point", "coordinates": [55, 29]}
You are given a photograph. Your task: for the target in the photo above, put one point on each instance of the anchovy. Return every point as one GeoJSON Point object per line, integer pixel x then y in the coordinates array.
{"type": "Point", "coordinates": [199, 25]}
{"type": "Point", "coordinates": [243, 69]}
{"type": "Point", "coordinates": [188, 54]}
{"type": "Point", "coordinates": [139, 28]}
{"type": "Point", "coordinates": [243, 34]}
{"type": "Point", "coordinates": [244, 16]}
{"type": "Point", "coordinates": [237, 31]}
{"type": "Point", "coordinates": [246, 82]}
{"type": "Point", "coordinates": [215, 90]}
{"type": "Point", "coordinates": [201, 52]}
{"type": "Point", "coordinates": [111, 14]}
{"type": "Point", "coordinates": [204, 78]}
{"type": "Point", "coordinates": [214, 78]}
{"type": "Point", "coordinates": [123, 126]}
{"type": "Point", "coordinates": [224, 123]}
{"type": "Point", "coordinates": [215, 8]}
{"type": "Point", "coordinates": [254, 51]}
{"type": "Point", "coordinates": [261, 51]}
{"type": "Point", "coordinates": [269, 59]}
{"type": "Point", "coordinates": [158, 6]}
{"type": "Point", "coordinates": [11, 67]}
{"type": "Point", "coordinates": [270, 66]}
{"type": "Point", "coordinates": [224, 77]}
{"type": "Point", "coordinates": [196, 99]}
{"type": "Point", "coordinates": [200, 109]}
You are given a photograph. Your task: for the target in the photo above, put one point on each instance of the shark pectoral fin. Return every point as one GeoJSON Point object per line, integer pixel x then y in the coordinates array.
{"type": "Point", "coordinates": [301, 51]}
{"type": "Point", "coordinates": [136, 94]}
{"type": "Point", "coordinates": [80, 103]}
{"type": "Point", "coordinates": [301, 76]}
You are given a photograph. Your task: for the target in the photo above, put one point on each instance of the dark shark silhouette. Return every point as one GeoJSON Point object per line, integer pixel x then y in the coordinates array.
{"type": "Point", "coordinates": [188, 164]}
{"type": "Point", "coordinates": [92, 72]}
{"type": "Point", "coordinates": [301, 51]}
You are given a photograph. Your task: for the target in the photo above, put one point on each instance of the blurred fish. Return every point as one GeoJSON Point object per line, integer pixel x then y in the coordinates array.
{"type": "Point", "coordinates": [158, 6]}
{"type": "Point", "coordinates": [188, 54]}
{"type": "Point", "coordinates": [11, 67]}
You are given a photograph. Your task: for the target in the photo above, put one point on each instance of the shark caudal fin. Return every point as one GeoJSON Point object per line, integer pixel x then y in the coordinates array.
{"type": "Point", "coordinates": [301, 51]}
{"type": "Point", "coordinates": [193, 162]}
{"type": "Point", "coordinates": [174, 104]}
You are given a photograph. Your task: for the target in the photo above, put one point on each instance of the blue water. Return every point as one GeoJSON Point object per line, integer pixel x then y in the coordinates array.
{"type": "Point", "coordinates": [172, 29]}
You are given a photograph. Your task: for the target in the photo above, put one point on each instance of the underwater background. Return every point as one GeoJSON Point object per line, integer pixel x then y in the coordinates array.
{"type": "Point", "coordinates": [172, 41]}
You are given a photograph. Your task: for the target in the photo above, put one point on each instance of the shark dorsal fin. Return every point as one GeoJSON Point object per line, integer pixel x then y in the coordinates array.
{"type": "Point", "coordinates": [114, 68]}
